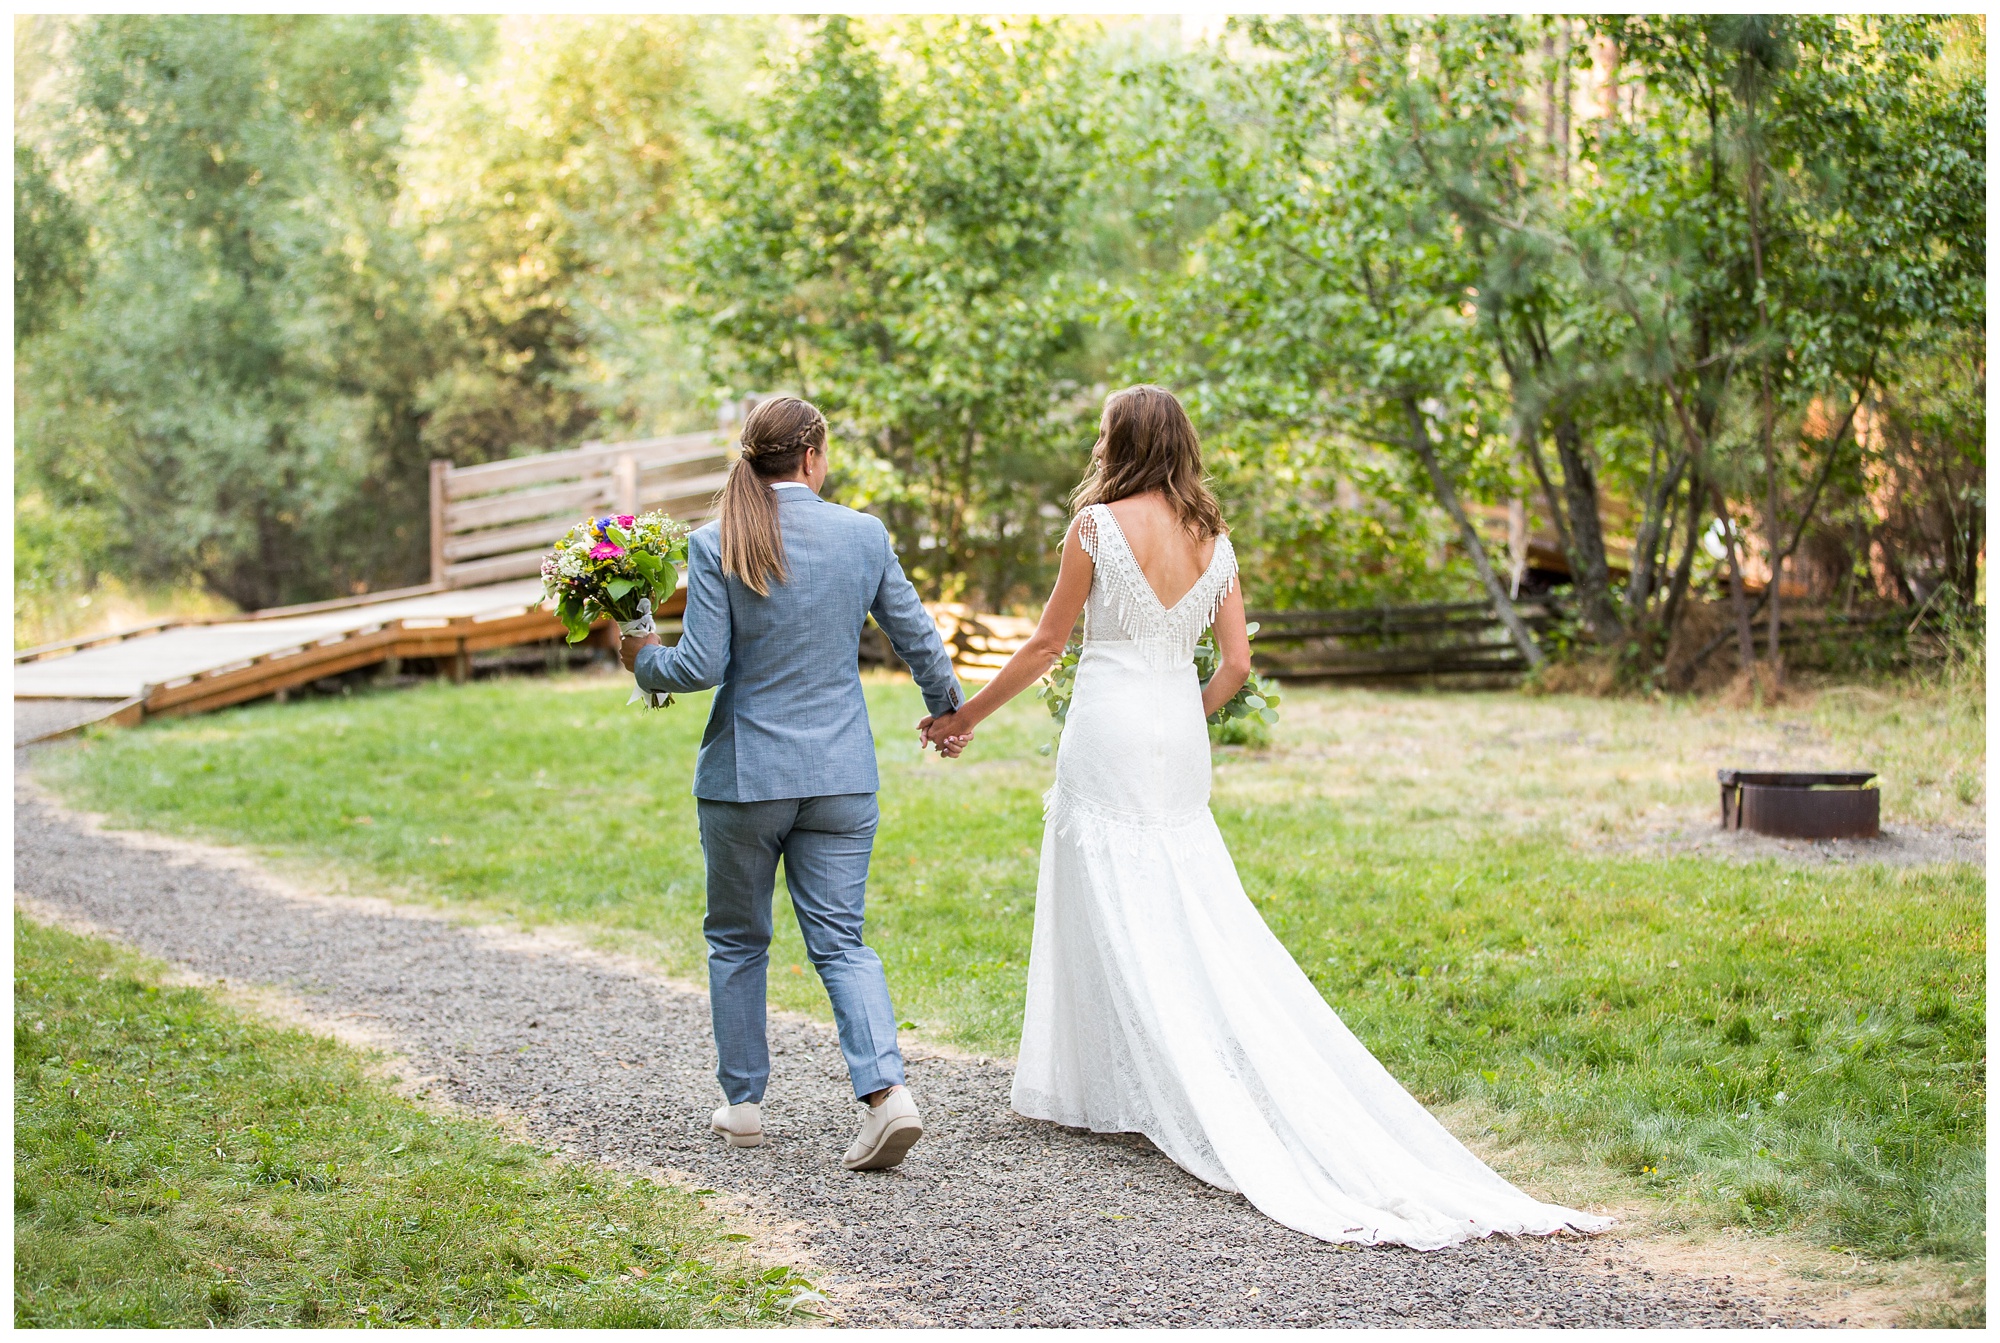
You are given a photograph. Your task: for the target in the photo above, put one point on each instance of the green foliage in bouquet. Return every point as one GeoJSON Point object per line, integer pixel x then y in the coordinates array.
{"type": "Point", "coordinates": [1245, 720]}
{"type": "Point", "coordinates": [1058, 688]}
{"type": "Point", "coordinates": [607, 566]}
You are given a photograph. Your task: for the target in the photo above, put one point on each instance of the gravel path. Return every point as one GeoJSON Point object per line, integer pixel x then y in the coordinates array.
{"type": "Point", "coordinates": [994, 1220]}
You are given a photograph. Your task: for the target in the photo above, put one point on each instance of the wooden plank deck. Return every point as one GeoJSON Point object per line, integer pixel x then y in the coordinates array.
{"type": "Point", "coordinates": [205, 665]}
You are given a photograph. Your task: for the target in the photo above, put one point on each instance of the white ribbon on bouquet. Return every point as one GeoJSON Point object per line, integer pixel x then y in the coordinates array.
{"type": "Point", "coordinates": [651, 699]}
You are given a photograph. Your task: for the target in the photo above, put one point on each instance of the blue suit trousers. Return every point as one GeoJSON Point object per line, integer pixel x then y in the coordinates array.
{"type": "Point", "coordinates": [826, 843]}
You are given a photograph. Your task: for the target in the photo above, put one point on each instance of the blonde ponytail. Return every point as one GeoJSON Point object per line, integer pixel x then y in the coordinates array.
{"type": "Point", "coordinates": [777, 435]}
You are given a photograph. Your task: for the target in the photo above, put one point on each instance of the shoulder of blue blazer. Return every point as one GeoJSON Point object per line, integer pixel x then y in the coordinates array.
{"type": "Point", "coordinates": [708, 535]}
{"type": "Point", "coordinates": [828, 513]}
{"type": "Point", "coordinates": [852, 523]}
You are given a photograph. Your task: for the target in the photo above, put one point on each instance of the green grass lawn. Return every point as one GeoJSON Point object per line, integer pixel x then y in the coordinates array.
{"type": "Point", "coordinates": [178, 1165]}
{"type": "Point", "coordinates": [1475, 881]}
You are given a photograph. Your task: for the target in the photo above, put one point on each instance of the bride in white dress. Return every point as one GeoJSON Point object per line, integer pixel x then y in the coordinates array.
{"type": "Point", "coordinates": [1158, 1001]}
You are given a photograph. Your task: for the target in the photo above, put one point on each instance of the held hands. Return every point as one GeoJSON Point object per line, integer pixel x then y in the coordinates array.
{"type": "Point", "coordinates": [628, 648]}
{"type": "Point", "coordinates": [951, 733]}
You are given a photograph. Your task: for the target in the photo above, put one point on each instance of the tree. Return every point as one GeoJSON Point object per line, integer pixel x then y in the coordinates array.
{"type": "Point", "coordinates": [1841, 228]}
{"type": "Point", "coordinates": [887, 231]}
{"type": "Point", "coordinates": [236, 390]}
{"type": "Point", "coordinates": [540, 169]}
{"type": "Point", "coordinates": [1421, 243]}
{"type": "Point", "coordinates": [51, 246]}
{"type": "Point", "coordinates": [1646, 272]}
{"type": "Point", "coordinates": [1330, 294]}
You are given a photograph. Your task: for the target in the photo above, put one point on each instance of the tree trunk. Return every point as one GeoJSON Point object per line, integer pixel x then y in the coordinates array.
{"type": "Point", "coordinates": [1768, 409]}
{"type": "Point", "coordinates": [1660, 494]}
{"type": "Point", "coordinates": [1639, 583]}
{"type": "Point", "coordinates": [1531, 449]}
{"type": "Point", "coordinates": [1589, 569]}
{"type": "Point", "coordinates": [1746, 642]}
{"type": "Point", "coordinates": [1677, 590]}
{"type": "Point", "coordinates": [1772, 535]}
{"type": "Point", "coordinates": [1420, 441]}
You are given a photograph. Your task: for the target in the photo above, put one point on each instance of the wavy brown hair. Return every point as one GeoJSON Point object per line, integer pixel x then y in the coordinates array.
{"type": "Point", "coordinates": [777, 434]}
{"type": "Point", "coordinates": [1146, 442]}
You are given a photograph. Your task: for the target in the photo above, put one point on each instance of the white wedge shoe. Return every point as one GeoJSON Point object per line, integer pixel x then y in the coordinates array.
{"type": "Point", "coordinates": [740, 1125]}
{"type": "Point", "coordinates": [888, 1133]}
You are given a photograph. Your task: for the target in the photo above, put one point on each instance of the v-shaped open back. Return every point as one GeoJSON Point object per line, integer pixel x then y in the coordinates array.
{"type": "Point", "coordinates": [1165, 605]}
{"type": "Point", "coordinates": [1123, 604]}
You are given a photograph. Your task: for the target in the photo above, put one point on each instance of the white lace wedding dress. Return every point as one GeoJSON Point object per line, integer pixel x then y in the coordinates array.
{"type": "Point", "coordinates": [1159, 1003]}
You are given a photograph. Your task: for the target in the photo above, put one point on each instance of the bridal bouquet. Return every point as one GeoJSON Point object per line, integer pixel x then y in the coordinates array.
{"type": "Point", "coordinates": [1248, 711]}
{"type": "Point", "coordinates": [620, 566]}
{"type": "Point", "coordinates": [1256, 701]}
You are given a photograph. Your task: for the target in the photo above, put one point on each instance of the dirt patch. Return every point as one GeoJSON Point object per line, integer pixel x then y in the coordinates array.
{"type": "Point", "coordinates": [1837, 1289]}
{"type": "Point", "coordinates": [1899, 845]}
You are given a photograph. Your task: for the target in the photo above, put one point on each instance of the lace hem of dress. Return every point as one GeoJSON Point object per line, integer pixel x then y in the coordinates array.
{"type": "Point", "coordinates": [1067, 814]}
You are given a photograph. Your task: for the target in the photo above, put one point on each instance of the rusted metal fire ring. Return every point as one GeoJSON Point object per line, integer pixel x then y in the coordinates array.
{"type": "Point", "coordinates": [1801, 805]}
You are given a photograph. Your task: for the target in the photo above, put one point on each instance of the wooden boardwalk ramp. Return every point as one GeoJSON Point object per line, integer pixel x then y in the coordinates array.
{"type": "Point", "coordinates": [192, 667]}
{"type": "Point", "coordinates": [490, 526]}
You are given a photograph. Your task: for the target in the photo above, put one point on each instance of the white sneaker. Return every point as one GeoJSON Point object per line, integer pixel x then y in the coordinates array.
{"type": "Point", "coordinates": [740, 1125]}
{"type": "Point", "coordinates": [888, 1133]}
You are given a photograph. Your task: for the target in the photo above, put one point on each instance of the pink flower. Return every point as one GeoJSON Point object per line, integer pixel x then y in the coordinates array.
{"type": "Point", "coordinates": [604, 550]}
{"type": "Point", "coordinates": [626, 519]}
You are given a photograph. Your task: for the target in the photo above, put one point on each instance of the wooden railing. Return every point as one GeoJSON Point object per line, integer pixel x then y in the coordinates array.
{"type": "Point", "coordinates": [496, 520]}
{"type": "Point", "coordinates": [1393, 642]}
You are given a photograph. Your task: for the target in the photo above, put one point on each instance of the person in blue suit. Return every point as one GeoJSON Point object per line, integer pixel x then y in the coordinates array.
{"type": "Point", "coordinates": [778, 588]}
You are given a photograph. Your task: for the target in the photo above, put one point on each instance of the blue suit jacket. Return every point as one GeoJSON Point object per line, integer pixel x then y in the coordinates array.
{"type": "Point", "coordinates": [789, 719]}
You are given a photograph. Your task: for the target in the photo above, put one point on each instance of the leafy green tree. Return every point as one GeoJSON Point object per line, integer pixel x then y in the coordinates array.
{"type": "Point", "coordinates": [1651, 271]}
{"type": "Point", "coordinates": [236, 391]}
{"type": "Point", "coordinates": [1927, 469]}
{"type": "Point", "coordinates": [51, 246]}
{"type": "Point", "coordinates": [1331, 295]}
{"type": "Point", "coordinates": [1421, 250]}
{"type": "Point", "coordinates": [540, 168]}
{"type": "Point", "coordinates": [887, 230]}
{"type": "Point", "coordinates": [1829, 223]}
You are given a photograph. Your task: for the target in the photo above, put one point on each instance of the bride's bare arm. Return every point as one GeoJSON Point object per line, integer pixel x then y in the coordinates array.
{"type": "Point", "coordinates": [1232, 641]}
{"type": "Point", "coordinates": [1033, 659]}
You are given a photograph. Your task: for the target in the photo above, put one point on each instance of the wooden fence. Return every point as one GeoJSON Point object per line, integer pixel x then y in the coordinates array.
{"type": "Point", "coordinates": [1394, 642]}
{"type": "Point", "coordinates": [1384, 643]}
{"type": "Point", "coordinates": [495, 521]}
